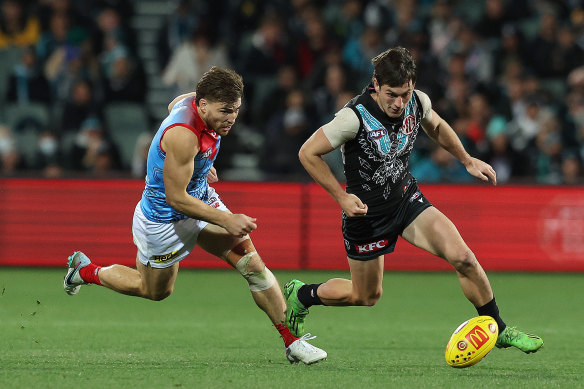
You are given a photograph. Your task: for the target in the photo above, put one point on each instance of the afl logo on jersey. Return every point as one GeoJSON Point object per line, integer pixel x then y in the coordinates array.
{"type": "Point", "coordinates": [408, 124]}
{"type": "Point", "coordinates": [377, 133]}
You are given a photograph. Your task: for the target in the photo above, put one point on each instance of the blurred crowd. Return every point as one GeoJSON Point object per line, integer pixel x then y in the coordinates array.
{"type": "Point", "coordinates": [508, 75]}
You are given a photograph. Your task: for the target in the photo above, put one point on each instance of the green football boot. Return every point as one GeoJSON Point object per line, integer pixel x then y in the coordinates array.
{"type": "Point", "coordinates": [511, 336]}
{"type": "Point", "coordinates": [296, 311]}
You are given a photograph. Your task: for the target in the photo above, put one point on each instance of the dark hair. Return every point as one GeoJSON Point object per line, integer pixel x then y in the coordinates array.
{"type": "Point", "coordinates": [394, 67]}
{"type": "Point", "coordinates": [220, 85]}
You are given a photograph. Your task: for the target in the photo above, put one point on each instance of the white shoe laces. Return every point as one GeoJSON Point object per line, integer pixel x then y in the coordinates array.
{"type": "Point", "coordinates": [303, 341]}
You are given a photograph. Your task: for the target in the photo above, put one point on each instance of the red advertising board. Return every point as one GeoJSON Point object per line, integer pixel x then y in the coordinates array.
{"type": "Point", "coordinates": [299, 225]}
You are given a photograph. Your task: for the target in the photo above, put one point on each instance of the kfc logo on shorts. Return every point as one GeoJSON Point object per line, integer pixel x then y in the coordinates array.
{"type": "Point", "coordinates": [408, 124]}
{"type": "Point", "coordinates": [370, 247]}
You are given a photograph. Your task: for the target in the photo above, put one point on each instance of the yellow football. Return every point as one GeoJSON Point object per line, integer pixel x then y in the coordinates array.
{"type": "Point", "coordinates": [471, 341]}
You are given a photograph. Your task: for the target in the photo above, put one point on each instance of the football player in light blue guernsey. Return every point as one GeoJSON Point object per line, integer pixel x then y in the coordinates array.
{"type": "Point", "coordinates": [377, 130]}
{"type": "Point", "coordinates": [179, 209]}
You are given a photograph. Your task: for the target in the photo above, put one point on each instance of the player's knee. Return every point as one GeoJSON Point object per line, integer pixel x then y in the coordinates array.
{"type": "Point", "coordinates": [159, 295]}
{"type": "Point", "coordinates": [253, 269]}
{"type": "Point", "coordinates": [370, 299]}
{"type": "Point", "coordinates": [463, 260]}
{"type": "Point", "coordinates": [256, 264]}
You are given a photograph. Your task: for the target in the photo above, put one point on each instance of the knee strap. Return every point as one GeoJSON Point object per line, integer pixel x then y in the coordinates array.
{"type": "Point", "coordinates": [258, 281]}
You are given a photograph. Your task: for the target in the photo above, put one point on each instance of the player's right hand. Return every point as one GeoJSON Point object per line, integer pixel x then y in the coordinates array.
{"type": "Point", "coordinates": [353, 206]}
{"type": "Point", "coordinates": [240, 225]}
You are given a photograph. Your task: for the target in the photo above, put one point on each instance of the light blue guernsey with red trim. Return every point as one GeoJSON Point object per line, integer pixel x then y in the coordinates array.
{"type": "Point", "coordinates": [153, 203]}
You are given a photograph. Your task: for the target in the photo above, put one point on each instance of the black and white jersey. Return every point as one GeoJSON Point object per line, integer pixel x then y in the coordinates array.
{"type": "Point", "coordinates": [376, 160]}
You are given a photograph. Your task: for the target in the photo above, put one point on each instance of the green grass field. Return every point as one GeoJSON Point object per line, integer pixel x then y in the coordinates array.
{"type": "Point", "coordinates": [209, 334]}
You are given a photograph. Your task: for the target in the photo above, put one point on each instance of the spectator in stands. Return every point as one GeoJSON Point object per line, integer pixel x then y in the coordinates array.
{"type": "Point", "coordinates": [111, 28]}
{"type": "Point", "coordinates": [27, 82]}
{"type": "Point", "coordinates": [441, 27]}
{"type": "Point", "coordinates": [512, 49]}
{"type": "Point", "coordinates": [549, 152]}
{"type": "Point", "coordinates": [356, 51]}
{"type": "Point", "coordinates": [499, 156]}
{"type": "Point", "coordinates": [345, 18]}
{"type": "Point", "coordinates": [572, 169]}
{"type": "Point", "coordinates": [440, 167]}
{"type": "Point", "coordinates": [544, 45]}
{"type": "Point", "coordinates": [262, 54]}
{"type": "Point", "coordinates": [312, 44]}
{"type": "Point", "coordinates": [567, 54]}
{"type": "Point", "coordinates": [177, 29]}
{"type": "Point", "coordinates": [478, 58]}
{"type": "Point", "coordinates": [285, 132]}
{"type": "Point", "coordinates": [493, 20]}
{"type": "Point", "coordinates": [325, 97]}
{"type": "Point", "coordinates": [125, 80]}
{"type": "Point", "coordinates": [17, 27]}
{"type": "Point", "coordinates": [10, 158]}
{"type": "Point", "coordinates": [275, 100]}
{"type": "Point", "coordinates": [266, 51]}
{"type": "Point", "coordinates": [454, 102]}
{"type": "Point", "coordinates": [407, 27]}
{"type": "Point", "coordinates": [93, 152]}
{"type": "Point", "coordinates": [333, 56]}
{"type": "Point", "coordinates": [191, 59]}
{"type": "Point", "coordinates": [522, 132]}
{"type": "Point", "coordinates": [61, 33]}
{"type": "Point", "coordinates": [48, 158]}
{"type": "Point", "coordinates": [80, 105]}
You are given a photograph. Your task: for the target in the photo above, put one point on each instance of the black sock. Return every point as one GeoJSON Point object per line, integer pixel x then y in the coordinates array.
{"type": "Point", "coordinates": [491, 309]}
{"type": "Point", "coordinates": [307, 295]}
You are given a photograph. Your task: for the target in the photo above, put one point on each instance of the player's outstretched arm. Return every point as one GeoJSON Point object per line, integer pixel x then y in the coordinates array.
{"type": "Point", "coordinates": [441, 132]}
{"type": "Point", "coordinates": [310, 155]}
{"type": "Point", "coordinates": [181, 146]}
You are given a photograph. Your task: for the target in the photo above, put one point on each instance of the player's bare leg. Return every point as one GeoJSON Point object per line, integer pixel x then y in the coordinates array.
{"type": "Point", "coordinates": [215, 240]}
{"type": "Point", "coordinates": [364, 287]}
{"type": "Point", "coordinates": [435, 233]}
{"type": "Point", "coordinates": [265, 289]}
{"type": "Point", "coordinates": [144, 281]}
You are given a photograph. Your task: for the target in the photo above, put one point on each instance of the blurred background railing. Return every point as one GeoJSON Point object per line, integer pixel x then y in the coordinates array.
{"type": "Point", "coordinates": [85, 84]}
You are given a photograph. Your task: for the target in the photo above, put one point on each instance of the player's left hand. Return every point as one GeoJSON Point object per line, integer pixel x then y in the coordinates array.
{"type": "Point", "coordinates": [481, 170]}
{"type": "Point", "coordinates": [212, 176]}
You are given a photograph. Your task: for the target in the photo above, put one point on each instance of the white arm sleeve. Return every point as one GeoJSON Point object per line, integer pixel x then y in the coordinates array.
{"type": "Point", "coordinates": [342, 128]}
{"type": "Point", "coordinates": [426, 105]}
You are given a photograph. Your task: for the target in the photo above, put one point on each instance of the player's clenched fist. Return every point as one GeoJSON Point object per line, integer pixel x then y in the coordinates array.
{"type": "Point", "coordinates": [352, 205]}
{"type": "Point", "coordinates": [240, 225]}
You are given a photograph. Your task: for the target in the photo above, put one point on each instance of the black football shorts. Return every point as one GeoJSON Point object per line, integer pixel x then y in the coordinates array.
{"type": "Point", "coordinates": [367, 237]}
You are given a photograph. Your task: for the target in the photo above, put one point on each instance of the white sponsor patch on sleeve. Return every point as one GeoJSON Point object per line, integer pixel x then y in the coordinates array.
{"type": "Point", "coordinates": [342, 128]}
{"type": "Point", "coordinates": [426, 105]}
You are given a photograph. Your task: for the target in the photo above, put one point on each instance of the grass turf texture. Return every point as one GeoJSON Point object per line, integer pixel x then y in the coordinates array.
{"type": "Point", "coordinates": [209, 334]}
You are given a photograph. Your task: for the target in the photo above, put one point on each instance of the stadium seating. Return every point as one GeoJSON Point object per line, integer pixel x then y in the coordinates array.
{"type": "Point", "coordinates": [27, 122]}
{"type": "Point", "coordinates": [125, 122]}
